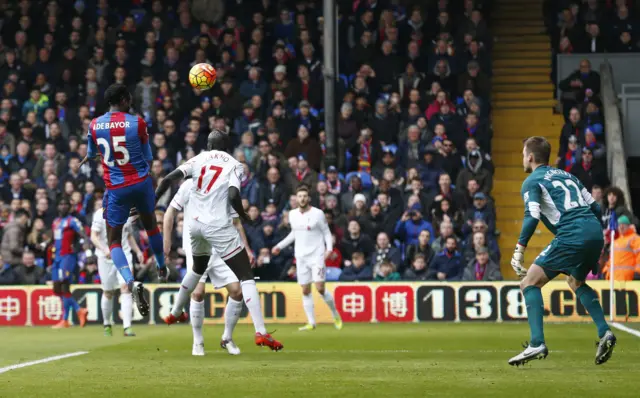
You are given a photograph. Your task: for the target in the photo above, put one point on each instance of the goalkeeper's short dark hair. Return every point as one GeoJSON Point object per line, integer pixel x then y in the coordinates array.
{"type": "Point", "coordinates": [540, 148]}
{"type": "Point", "coordinates": [115, 93]}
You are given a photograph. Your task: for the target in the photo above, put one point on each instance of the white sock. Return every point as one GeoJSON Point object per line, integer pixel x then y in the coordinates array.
{"type": "Point", "coordinates": [126, 309]}
{"type": "Point", "coordinates": [107, 309]}
{"type": "Point", "coordinates": [328, 298]}
{"type": "Point", "coordinates": [252, 300]}
{"type": "Point", "coordinates": [196, 311]}
{"type": "Point", "coordinates": [188, 285]}
{"type": "Point", "coordinates": [307, 304]}
{"type": "Point", "coordinates": [231, 317]}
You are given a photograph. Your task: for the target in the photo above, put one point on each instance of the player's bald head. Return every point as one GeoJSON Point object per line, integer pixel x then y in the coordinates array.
{"type": "Point", "coordinates": [219, 140]}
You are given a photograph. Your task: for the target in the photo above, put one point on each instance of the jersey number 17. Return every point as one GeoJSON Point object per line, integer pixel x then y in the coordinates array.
{"type": "Point", "coordinates": [216, 173]}
{"type": "Point", "coordinates": [568, 203]}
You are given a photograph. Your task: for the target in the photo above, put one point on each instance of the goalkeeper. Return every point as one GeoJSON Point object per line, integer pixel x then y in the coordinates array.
{"type": "Point", "coordinates": [567, 209]}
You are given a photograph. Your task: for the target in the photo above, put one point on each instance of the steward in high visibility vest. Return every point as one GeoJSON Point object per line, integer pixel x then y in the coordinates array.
{"type": "Point", "coordinates": [626, 253]}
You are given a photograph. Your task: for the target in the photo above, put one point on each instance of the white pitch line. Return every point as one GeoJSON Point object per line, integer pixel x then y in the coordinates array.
{"type": "Point", "coordinates": [625, 329]}
{"type": "Point", "coordinates": [44, 360]}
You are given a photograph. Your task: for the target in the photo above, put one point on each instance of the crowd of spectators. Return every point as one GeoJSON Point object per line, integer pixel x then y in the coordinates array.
{"type": "Point", "coordinates": [409, 197]}
{"type": "Point", "coordinates": [581, 28]}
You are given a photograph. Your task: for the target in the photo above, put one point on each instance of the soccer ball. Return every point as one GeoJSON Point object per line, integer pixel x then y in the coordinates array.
{"type": "Point", "coordinates": [202, 76]}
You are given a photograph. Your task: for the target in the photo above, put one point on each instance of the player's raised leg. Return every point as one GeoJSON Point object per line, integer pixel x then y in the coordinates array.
{"type": "Point", "coordinates": [589, 300]}
{"type": "Point", "coordinates": [531, 287]}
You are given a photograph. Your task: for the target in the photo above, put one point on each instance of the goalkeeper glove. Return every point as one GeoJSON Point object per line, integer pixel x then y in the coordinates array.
{"type": "Point", "coordinates": [517, 260]}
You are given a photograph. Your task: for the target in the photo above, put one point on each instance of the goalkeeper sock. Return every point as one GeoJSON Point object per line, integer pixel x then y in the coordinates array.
{"type": "Point", "coordinates": [589, 300]}
{"type": "Point", "coordinates": [106, 304]}
{"type": "Point", "coordinates": [535, 312]}
{"type": "Point", "coordinates": [328, 298]}
{"type": "Point", "coordinates": [196, 311]}
{"type": "Point", "coordinates": [231, 317]}
{"type": "Point", "coordinates": [307, 304]}
{"type": "Point", "coordinates": [252, 301]}
{"type": "Point", "coordinates": [188, 285]}
{"type": "Point", "coordinates": [126, 309]}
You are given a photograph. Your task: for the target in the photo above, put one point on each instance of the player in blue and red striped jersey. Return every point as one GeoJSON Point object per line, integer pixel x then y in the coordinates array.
{"type": "Point", "coordinates": [123, 142]}
{"type": "Point", "coordinates": [66, 231]}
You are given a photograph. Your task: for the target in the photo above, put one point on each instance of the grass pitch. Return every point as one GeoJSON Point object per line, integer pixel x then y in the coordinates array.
{"type": "Point", "coordinates": [372, 360]}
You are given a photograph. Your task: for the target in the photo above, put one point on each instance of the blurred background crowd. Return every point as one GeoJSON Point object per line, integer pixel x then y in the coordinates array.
{"type": "Point", "coordinates": [410, 195]}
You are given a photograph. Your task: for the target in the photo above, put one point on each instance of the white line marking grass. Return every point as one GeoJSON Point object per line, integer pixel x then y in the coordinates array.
{"type": "Point", "coordinates": [44, 360]}
{"type": "Point", "coordinates": [626, 329]}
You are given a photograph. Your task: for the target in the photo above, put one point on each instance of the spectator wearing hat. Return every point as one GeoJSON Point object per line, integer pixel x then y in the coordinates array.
{"type": "Point", "coordinates": [474, 170]}
{"type": "Point", "coordinates": [480, 210]}
{"type": "Point", "coordinates": [280, 82]}
{"type": "Point", "coordinates": [305, 144]}
{"type": "Point", "coordinates": [482, 268]}
{"type": "Point", "coordinates": [303, 174]}
{"type": "Point", "coordinates": [429, 170]}
{"type": "Point", "coordinates": [388, 161]}
{"type": "Point", "coordinates": [597, 148]}
{"type": "Point", "coordinates": [305, 118]}
{"type": "Point", "coordinates": [411, 224]}
{"type": "Point", "coordinates": [590, 173]}
{"type": "Point", "coordinates": [571, 156]}
{"type": "Point", "coordinates": [273, 190]}
{"type": "Point", "coordinates": [447, 265]}
{"type": "Point", "coordinates": [626, 251]}
{"type": "Point", "coordinates": [335, 185]}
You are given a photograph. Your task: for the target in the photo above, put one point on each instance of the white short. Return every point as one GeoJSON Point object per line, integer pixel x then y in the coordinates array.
{"type": "Point", "coordinates": [110, 278]}
{"type": "Point", "coordinates": [225, 241]}
{"type": "Point", "coordinates": [310, 269]}
{"type": "Point", "coordinates": [217, 271]}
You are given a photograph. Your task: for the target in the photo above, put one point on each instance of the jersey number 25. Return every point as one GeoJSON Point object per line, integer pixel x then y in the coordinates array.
{"type": "Point", "coordinates": [216, 173]}
{"type": "Point", "coordinates": [119, 146]}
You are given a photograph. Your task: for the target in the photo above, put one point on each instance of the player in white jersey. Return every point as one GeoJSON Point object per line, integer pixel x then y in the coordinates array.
{"type": "Point", "coordinates": [217, 271]}
{"type": "Point", "coordinates": [313, 243]}
{"type": "Point", "coordinates": [216, 185]}
{"type": "Point", "coordinates": [110, 278]}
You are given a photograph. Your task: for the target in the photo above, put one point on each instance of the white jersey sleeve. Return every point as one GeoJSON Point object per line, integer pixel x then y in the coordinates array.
{"type": "Point", "coordinates": [180, 200]}
{"type": "Point", "coordinates": [188, 167]}
{"type": "Point", "coordinates": [99, 226]}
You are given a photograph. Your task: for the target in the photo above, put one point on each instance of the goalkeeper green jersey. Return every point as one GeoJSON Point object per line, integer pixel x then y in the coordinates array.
{"type": "Point", "coordinates": [562, 203]}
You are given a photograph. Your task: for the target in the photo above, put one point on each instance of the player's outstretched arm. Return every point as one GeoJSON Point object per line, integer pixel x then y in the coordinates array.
{"type": "Point", "coordinates": [166, 182]}
{"type": "Point", "coordinates": [283, 243]}
{"type": "Point", "coordinates": [531, 194]}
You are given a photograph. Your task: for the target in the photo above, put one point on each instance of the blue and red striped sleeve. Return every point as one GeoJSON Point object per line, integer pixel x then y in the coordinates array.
{"type": "Point", "coordinates": [92, 145]}
{"type": "Point", "coordinates": [75, 224]}
{"type": "Point", "coordinates": [143, 134]}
